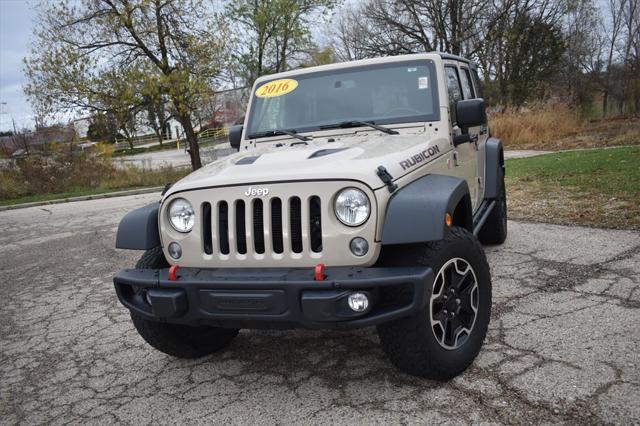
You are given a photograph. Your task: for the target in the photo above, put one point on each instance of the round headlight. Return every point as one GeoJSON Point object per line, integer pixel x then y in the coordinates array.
{"type": "Point", "coordinates": [181, 215]}
{"type": "Point", "coordinates": [352, 207]}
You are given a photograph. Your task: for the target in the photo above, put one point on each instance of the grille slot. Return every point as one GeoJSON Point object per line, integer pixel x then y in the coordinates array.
{"type": "Point", "coordinates": [315, 224]}
{"type": "Point", "coordinates": [276, 225]}
{"type": "Point", "coordinates": [207, 243]}
{"type": "Point", "coordinates": [262, 226]}
{"type": "Point", "coordinates": [258, 226]}
{"type": "Point", "coordinates": [295, 222]}
{"type": "Point", "coordinates": [241, 230]}
{"type": "Point", "coordinates": [223, 227]}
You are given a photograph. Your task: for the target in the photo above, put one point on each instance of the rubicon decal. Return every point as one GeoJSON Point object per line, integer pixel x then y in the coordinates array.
{"type": "Point", "coordinates": [420, 157]}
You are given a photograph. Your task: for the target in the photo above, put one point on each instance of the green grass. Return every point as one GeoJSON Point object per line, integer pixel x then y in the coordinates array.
{"type": "Point", "coordinates": [40, 181]}
{"type": "Point", "coordinates": [128, 151]}
{"type": "Point", "coordinates": [615, 170]}
{"type": "Point", "coordinates": [599, 187]}
{"type": "Point", "coordinates": [61, 195]}
{"type": "Point", "coordinates": [164, 147]}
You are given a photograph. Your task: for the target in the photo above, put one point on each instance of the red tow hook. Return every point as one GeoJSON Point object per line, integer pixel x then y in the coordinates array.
{"type": "Point", "coordinates": [173, 273]}
{"type": "Point", "coordinates": [318, 272]}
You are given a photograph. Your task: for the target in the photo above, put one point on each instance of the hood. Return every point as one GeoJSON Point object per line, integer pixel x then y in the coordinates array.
{"type": "Point", "coordinates": [353, 157]}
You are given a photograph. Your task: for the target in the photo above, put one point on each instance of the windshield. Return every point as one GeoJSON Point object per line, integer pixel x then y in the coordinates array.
{"type": "Point", "coordinates": [400, 92]}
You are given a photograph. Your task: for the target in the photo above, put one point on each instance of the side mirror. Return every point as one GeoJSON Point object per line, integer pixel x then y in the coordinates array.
{"type": "Point", "coordinates": [235, 136]}
{"type": "Point", "coordinates": [470, 113]}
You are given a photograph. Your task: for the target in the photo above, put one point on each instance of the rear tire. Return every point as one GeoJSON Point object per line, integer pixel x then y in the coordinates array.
{"type": "Point", "coordinates": [431, 344]}
{"type": "Point", "coordinates": [494, 230]}
{"type": "Point", "coordinates": [178, 340]}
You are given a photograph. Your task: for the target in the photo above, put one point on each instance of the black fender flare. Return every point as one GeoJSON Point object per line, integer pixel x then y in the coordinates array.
{"type": "Point", "coordinates": [138, 229]}
{"type": "Point", "coordinates": [494, 168]}
{"type": "Point", "coordinates": [416, 213]}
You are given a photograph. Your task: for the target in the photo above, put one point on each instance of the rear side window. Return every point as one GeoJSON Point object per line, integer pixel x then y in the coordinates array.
{"type": "Point", "coordinates": [454, 89]}
{"type": "Point", "coordinates": [467, 87]}
{"type": "Point", "coordinates": [476, 80]}
{"type": "Point", "coordinates": [453, 84]}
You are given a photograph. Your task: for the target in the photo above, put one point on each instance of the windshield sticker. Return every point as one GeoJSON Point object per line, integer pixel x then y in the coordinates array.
{"type": "Point", "coordinates": [423, 83]}
{"type": "Point", "coordinates": [276, 88]}
{"type": "Point", "coordinates": [412, 69]}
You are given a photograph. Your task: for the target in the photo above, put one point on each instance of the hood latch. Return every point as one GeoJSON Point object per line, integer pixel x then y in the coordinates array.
{"type": "Point", "coordinates": [386, 178]}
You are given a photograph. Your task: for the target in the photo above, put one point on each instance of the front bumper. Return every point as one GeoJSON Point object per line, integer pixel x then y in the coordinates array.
{"type": "Point", "coordinates": [273, 298]}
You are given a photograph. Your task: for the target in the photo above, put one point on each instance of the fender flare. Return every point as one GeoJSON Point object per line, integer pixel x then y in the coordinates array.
{"type": "Point", "coordinates": [138, 229]}
{"type": "Point", "coordinates": [416, 213]}
{"type": "Point", "coordinates": [494, 168]}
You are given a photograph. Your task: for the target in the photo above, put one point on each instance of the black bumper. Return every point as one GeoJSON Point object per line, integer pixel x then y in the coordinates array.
{"type": "Point", "coordinates": [273, 298]}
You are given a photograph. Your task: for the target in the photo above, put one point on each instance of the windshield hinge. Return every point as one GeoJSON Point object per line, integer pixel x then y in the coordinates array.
{"type": "Point", "coordinates": [386, 178]}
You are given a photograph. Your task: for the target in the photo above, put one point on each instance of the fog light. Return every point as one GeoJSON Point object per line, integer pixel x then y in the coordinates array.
{"type": "Point", "coordinates": [358, 302]}
{"type": "Point", "coordinates": [359, 246]}
{"type": "Point", "coordinates": [175, 251]}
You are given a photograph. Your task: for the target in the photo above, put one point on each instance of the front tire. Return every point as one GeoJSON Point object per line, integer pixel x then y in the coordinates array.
{"type": "Point", "coordinates": [444, 338]}
{"type": "Point", "coordinates": [183, 341]}
{"type": "Point", "coordinates": [180, 341]}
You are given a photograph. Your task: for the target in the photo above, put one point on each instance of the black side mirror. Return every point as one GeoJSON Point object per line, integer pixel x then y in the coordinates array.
{"type": "Point", "coordinates": [235, 136]}
{"type": "Point", "coordinates": [470, 113]}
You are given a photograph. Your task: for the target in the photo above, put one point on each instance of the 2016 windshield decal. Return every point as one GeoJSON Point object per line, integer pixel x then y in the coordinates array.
{"type": "Point", "coordinates": [420, 157]}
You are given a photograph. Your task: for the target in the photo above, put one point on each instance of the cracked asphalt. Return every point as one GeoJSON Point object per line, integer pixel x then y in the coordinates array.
{"type": "Point", "coordinates": [563, 344]}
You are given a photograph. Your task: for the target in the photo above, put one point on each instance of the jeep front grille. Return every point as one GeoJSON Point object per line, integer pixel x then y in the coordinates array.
{"type": "Point", "coordinates": [259, 226]}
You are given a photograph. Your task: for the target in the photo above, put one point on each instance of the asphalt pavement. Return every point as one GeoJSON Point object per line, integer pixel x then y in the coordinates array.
{"type": "Point", "coordinates": [563, 344]}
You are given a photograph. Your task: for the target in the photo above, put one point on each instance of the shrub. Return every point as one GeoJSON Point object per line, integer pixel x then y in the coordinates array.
{"type": "Point", "coordinates": [60, 173]}
{"type": "Point", "coordinates": [537, 124]}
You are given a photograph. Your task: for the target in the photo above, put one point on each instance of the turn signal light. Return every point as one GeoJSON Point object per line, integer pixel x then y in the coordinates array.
{"type": "Point", "coordinates": [448, 220]}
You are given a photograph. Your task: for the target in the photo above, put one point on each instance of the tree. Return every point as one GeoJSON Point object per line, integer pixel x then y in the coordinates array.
{"type": "Point", "coordinates": [79, 43]}
{"type": "Point", "coordinates": [615, 8]}
{"type": "Point", "coordinates": [274, 33]}
{"type": "Point", "coordinates": [531, 53]}
{"type": "Point", "coordinates": [517, 43]}
{"type": "Point", "coordinates": [102, 128]}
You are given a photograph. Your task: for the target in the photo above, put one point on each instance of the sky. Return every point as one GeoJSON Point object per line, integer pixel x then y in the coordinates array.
{"type": "Point", "coordinates": [15, 33]}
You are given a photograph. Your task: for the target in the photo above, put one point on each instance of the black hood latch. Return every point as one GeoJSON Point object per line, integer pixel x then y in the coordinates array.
{"type": "Point", "coordinates": [386, 178]}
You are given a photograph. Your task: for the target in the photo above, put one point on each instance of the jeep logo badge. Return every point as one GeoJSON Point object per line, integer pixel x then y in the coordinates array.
{"type": "Point", "coordinates": [256, 192]}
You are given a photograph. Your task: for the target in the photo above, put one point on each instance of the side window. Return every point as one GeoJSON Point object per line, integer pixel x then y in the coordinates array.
{"type": "Point", "coordinates": [467, 87]}
{"type": "Point", "coordinates": [453, 86]}
{"type": "Point", "coordinates": [476, 80]}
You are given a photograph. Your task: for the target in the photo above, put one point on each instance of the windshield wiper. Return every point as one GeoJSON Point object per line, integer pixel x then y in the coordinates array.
{"type": "Point", "coordinates": [356, 123]}
{"type": "Point", "coordinates": [279, 132]}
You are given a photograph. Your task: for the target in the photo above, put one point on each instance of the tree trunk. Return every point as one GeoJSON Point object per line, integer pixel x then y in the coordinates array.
{"type": "Point", "coordinates": [158, 135]}
{"type": "Point", "coordinates": [192, 139]}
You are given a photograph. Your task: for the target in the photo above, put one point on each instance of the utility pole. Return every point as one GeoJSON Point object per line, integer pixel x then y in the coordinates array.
{"type": "Point", "coordinates": [2, 105]}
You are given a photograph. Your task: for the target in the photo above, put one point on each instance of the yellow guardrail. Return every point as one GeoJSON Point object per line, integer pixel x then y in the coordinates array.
{"type": "Point", "coordinates": [214, 133]}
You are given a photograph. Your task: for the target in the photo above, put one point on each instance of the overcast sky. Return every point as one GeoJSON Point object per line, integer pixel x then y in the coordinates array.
{"type": "Point", "coordinates": [15, 32]}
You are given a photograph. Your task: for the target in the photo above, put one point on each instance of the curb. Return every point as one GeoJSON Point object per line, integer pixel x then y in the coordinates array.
{"type": "Point", "coordinates": [83, 198]}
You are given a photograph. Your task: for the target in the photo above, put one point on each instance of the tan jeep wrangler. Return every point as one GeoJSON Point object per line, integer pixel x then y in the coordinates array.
{"type": "Point", "coordinates": [357, 198]}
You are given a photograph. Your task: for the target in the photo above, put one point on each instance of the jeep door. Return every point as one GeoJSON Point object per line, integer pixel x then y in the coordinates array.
{"type": "Point", "coordinates": [465, 163]}
{"type": "Point", "coordinates": [479, 134]}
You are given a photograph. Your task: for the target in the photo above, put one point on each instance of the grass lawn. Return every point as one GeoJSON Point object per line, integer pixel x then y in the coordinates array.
{"type": "Point", "coordinates": [599, 187]}
{"type": "Point", "coordinates": [61, 195]}
{"type": "Point", "coordinates": [120, 180]}
{"type": "Point", "coordinates": [128, 151]}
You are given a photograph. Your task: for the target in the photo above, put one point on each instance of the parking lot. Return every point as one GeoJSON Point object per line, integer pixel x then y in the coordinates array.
{"type": "Point", "coordinates": [563, 344]}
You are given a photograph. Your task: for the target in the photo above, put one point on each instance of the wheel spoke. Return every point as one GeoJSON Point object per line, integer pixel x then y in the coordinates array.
{"type": "Point", "coordinates": [454, 303]}
{"type": "Point", "coordinates": [464, 281]}
{"type": "Point", "coordinates": [466, 298]}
